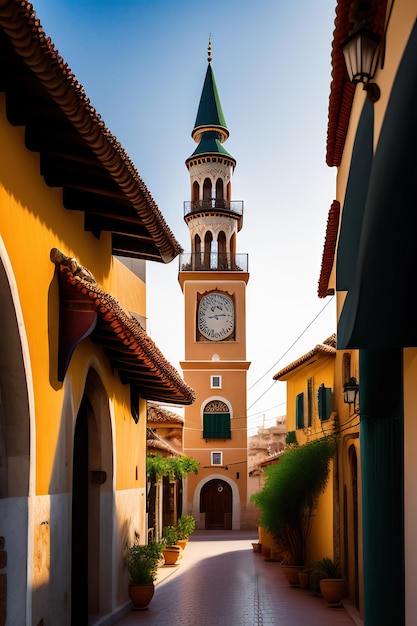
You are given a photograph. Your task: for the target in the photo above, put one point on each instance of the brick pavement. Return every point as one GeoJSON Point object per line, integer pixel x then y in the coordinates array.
{"type": "Point", "coordinates": [220, 581]}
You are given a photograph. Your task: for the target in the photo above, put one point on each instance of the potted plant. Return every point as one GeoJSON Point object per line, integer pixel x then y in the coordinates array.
{"type": "Point", "coordinates": [142, 564]}
{"type": "Point", "coordinates": [171, 550]}
{"type": "Point", "coordinates": [326, 577]}
{"type": "Point", "coordinates": [185, 527]}
{"type": "Point", "coordinates": [289, 498]}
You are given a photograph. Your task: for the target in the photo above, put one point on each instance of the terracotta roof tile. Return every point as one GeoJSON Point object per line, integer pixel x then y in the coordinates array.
{"type": "Point", "coordinates": [332, 230]}
{"type": "Point", "coordinates": [155, 442]}
{"type": "Point", "coordinates": [66, 129]}
{"type": "Point", "coordinates": [130, 350]}
{"type": "Point", "coordinates": [341, 89]}
{"type": "Point", "coordinates": [327, 347]}
{"type": "Point", "coordinates": [159, 415]}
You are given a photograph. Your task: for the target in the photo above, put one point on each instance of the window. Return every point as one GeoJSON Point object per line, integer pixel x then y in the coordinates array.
{"type": "Point", "coordinates": [310, 404]}
{"type": "Point", "coordinates": [299, 411]}
{"type": "Point", "coordinates": [217, 458]}
{"type": "Point", "coordinates": [216, 382]}
{"type": "Point", "coordinates": [216, 421]}
{"type": "Point", "coordinates": [325, 402]}
{"type": "Point", "coordinates": [346, 367]}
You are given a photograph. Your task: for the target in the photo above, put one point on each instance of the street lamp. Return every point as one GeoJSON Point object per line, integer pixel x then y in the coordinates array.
{"type": "Point", "coordinates": [350, 391]}
{"type": "Point", "coordinates": [360, 50]}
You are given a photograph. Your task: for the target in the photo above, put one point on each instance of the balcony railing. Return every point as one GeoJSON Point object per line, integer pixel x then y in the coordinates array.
{"type": "Point", "coordinates": [213, 262]}
{"type": "Point", "coordinates": [214, 204]}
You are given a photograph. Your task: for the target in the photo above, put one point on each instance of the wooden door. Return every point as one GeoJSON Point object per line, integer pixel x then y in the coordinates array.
{"type": "Point", "coordinates": [216, 503]}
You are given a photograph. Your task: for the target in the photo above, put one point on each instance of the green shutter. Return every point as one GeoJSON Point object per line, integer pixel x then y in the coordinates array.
{"type": "Point", "coordinates": [216, 426]}
{"type": "Point", "coordinates": [325, 402]}
{"type": "Point", "coordinates": [299, 410]}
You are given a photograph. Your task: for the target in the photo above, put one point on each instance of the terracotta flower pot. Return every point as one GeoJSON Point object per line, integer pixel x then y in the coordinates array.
{"type": "Point", "coordinates": [304, 578]}
{"type": "Point", "coordinates": [182, 543]}
{"type": "Point", "coordinates": [141, 595]}
{"type": "Point", "coordinates": [291, 574]}
{"type": "Point", "coordinates": [171, 554]}
{"type": "Point", "coordinates": [333, 590]}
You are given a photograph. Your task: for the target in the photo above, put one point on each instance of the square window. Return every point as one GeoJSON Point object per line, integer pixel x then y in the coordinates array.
{"type": "Point", "coordinates": [217, 458]}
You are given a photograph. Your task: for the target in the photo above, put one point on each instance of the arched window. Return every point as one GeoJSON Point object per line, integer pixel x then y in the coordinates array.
{"type": "Point", "coordinates": [208, 241]}
{"type": "Point", "coordinates": [195, 196]}
{"type": "Point", "coordinates": [197, 252]}
{"type": "Point", "coordinates": [222, 251]}
{"type": "Point", "coordinates": [220, 203]}
{"type": "Point", "coordinates": [197, 244]}
{"type": "Point", "coordinates": [207, 193]}
{"type": "Point", "coordinates": [216, 420]}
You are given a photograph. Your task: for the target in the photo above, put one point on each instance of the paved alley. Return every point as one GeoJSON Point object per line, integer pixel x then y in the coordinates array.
{"type": "Point", "coordinates": [220, 581]}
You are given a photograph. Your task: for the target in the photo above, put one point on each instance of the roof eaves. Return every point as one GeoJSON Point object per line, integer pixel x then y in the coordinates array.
{"type": "Point", "coordinates": [25, 33]}
{"type": "Point", "coordinates": [329, 249]}
{"type": "Point", "coordinates": [318, 349]}
{"type": "Point", "coordinates": [133, 352]}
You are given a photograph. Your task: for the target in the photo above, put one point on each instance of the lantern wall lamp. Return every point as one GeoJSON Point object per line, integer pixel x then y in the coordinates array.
{"type": "Point", "coordinates": [350, 391]}
{"type": "Point", "coordinates": [361, 52]}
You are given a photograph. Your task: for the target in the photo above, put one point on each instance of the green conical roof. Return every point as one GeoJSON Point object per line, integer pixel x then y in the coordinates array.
{"type": "Point", "coordinates": [210, 143]}
{"type": "Point", "coordinates": [210, 112]}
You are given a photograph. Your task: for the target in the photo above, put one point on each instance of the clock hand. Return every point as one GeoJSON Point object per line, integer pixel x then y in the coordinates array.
{"type": "Point", "coordinates": [216, 317]}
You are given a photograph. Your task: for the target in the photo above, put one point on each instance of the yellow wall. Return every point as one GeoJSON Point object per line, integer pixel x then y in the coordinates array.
{"type": "Point", "coordinates": [321, 368]}
{"type": "Point", "coordinates": [32, 222]}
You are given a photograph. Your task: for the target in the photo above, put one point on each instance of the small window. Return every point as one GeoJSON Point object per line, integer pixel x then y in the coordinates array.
{"type": "Point", "coordinates": [216, 382]}
{"type": "Point", "coordinates": [299, 411]}
{"type": "Point", "coordinates": [309, 402]}
{"type": "Point", "coordinates": [217, 458]}
{"type": "Point", "coordinates": [324, 402]}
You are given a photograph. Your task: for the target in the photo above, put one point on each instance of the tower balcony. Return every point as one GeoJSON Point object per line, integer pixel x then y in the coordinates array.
{"type": "Point", "coordinates": [220, 206]}
{"type": "Point", "coordinates": [213, 262]}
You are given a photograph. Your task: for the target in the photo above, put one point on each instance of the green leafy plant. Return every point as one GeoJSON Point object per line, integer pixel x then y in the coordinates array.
{"type": "Point", "coordinates": [170, 535]}
{"type": "Point", "coordinates": [291, 437]}
{"type": "Point", "coordinates": [291, 492]}
{"type": "Point", "coordinates": [185, 526]}
{"type": "Point", "coordinates": [324, 568]}
{"type": "Point", "coordinates": [142, 561]}
{"type": "Point", "coordinates": [158, 467]}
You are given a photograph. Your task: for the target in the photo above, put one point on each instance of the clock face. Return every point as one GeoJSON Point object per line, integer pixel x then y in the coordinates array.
{"type": "Point", "coordinates": [216, 316]}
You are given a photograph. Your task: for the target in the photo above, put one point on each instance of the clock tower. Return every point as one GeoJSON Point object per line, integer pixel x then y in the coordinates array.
{"type": "Point", "coordinates": [213, 279]}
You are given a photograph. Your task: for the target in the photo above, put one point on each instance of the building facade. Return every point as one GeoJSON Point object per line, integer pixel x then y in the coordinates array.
{"type": "Point", "coordinates": [213, 279]}
{"type": "Point", "coordinates": [371, 138]}
{"type": "Point", "coordinates": [77, 226]}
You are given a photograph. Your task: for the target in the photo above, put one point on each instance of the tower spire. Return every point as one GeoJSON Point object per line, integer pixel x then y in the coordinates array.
{"type": "Point", "coordinates": [209, 49]}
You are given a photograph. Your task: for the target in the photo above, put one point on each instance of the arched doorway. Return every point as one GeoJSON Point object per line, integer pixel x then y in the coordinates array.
{"type": "Point", "coordinates": [216, 502]}
{"type": "Point", "coordinates": [353, 462]}
{"type": "Point", "coordinates": [91, 555]}
{"type": "Point", "coordinates": [16, 482]}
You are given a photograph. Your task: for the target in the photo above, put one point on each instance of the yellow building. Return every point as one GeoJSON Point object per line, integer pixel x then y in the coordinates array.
{"type": "Point", "coordinates": [310, 416]}
{"type": "Point", "coordinates": [371, 137]}
{"type": "Point", "coordinates": [213, 279]}
{"type": "Point", "coordinates": [76, 365]}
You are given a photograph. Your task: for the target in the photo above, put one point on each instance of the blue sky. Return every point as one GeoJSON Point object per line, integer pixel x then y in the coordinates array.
{"type": "Point", "coordinates": [142, 65]}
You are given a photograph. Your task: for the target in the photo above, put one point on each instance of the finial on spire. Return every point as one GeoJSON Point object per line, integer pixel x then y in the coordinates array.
{"type": "Point", "coordinates": [209, 49]}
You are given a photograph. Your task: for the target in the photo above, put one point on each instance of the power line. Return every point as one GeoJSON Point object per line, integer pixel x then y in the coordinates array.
{"type": "Point", "coordinates": [265, 392]}
{"type": "Point", "coordinates": [286, 352]}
